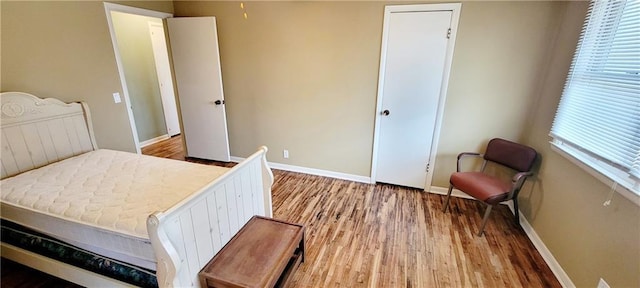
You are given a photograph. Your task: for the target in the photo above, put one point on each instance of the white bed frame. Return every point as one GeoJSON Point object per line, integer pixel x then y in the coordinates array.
{"type": "Point", "coordinates": [36, 132]}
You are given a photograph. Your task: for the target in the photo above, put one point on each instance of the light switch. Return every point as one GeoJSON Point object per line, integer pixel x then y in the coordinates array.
{"type": "Point", "coordinates": [116, 97]}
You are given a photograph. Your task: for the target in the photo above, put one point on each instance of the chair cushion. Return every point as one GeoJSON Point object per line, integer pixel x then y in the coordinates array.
{"type": "Point", "coordinates": [513, 155]}
{"type": "Point", "coordinates": [481, 186]}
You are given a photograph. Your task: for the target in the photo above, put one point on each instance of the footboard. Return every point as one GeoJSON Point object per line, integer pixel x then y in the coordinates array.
{"type": "Point", "coordinates": [186, 236]}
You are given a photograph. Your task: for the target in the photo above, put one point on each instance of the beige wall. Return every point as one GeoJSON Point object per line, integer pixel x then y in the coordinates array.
{"type": "Point", "coordinates": [500, 50]}
{"type": "Point", "coordinates": [303, 76]}
{"type": "Point", "coordinates": [136, 54]}
{"type": "Point", "coordinates": [64, 50]}
{"type": "Point", "coordinates": [564, 204]}
{"type": "Point", "coordinates": [299, 76]}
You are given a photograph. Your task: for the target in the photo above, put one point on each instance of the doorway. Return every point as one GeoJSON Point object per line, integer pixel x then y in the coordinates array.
{"type": "Point", "coordinates": [417, 51]}
{"type": "Point", "coordinates": [143, 64]}
{"type": "Point", "coordinates": [198, 75]}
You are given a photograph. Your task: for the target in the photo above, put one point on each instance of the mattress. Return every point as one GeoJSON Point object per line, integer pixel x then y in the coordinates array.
{"type": "Point", "coordinates": [100, 200]}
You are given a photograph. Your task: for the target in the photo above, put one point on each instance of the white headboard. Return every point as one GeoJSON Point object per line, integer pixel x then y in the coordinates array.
{"type": "Point", "coordinates": [36, 132]}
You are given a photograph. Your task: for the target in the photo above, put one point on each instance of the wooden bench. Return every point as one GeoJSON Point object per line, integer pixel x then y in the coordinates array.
{"type": "Point", "coordinates": [264, 253]}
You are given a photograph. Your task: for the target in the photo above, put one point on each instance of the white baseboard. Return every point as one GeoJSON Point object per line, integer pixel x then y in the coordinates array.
{"type": "Point", "coordinates": [154, 140]}
{"type": "Point", "coordinates": [313, 171]}
{"type": "Point", "coordinates": [443, 191]}
{"type": "Point", "coordinates": [555, 267]}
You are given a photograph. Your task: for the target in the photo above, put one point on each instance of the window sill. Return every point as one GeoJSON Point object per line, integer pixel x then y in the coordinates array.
{"type": "Point", "coordinates": [595, 168]}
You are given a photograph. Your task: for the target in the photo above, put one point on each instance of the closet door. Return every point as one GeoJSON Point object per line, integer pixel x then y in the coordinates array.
{"type": "Point", "coordinates": [196, 62]}
{"type": "Point", "coordinates": [416, 42]}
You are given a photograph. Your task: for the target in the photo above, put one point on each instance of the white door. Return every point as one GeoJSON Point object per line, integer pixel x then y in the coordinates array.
{"type": "Point", "coordinates": [413, 62]}
{"type": "Point", "coordinates": [163, 71]}
{"type": "Point", "coordinates": [196, 63]}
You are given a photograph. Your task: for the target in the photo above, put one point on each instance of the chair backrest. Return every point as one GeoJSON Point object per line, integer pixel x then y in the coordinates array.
{"type": "Point", "coordinates": [513, 155]}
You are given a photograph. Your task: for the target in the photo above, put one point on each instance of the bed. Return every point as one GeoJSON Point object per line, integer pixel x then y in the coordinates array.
{"type": "Point", "coordinates": [166, 216]}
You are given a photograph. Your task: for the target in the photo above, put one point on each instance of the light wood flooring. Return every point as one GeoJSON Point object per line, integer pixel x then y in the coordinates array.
{"type": "Point", "coordinates": [365, 235]}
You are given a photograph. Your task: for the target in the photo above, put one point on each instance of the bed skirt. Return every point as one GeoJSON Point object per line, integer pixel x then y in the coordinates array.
{"type": "Point", "coordinates": [44, 245]}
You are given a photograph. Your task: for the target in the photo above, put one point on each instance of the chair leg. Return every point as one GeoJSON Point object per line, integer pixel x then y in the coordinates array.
{"type": "Point", "coordinates": [516, 211]}
{"type": "Point", "coordinates": [446, 204]}
{"type": "Point", "coordinates": [484, 219]}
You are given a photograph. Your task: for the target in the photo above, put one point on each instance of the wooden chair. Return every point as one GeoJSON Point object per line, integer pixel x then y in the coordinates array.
{"type": "Point", "coordinates": [490, 189]}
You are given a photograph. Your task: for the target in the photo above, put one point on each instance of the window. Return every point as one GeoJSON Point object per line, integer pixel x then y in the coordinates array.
{"type": "Point", "coordinates": [598, 119]}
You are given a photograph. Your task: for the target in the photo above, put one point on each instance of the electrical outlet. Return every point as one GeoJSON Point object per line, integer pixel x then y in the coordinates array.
{"type": "Point", "coordinates": [285, 154]}
{"type": "Point", "coordinates": [602, 284]}
{"type": "Point", "coordinates": [116, 98]}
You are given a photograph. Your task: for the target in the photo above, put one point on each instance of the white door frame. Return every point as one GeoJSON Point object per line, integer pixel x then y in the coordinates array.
{"type": "Point", "coordinates": [108, 8]}
{"type": "Point", "coordinates": [455, 16]}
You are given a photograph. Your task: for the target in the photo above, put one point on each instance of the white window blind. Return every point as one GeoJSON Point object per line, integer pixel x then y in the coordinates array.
{"type": "Point", "coordinates": [599, 113]}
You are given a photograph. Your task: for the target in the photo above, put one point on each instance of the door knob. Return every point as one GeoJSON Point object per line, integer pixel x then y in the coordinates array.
{"type": "Point", "coordinates": [385, 113]}
{"type": "Point", "coordinates": [218, 102]}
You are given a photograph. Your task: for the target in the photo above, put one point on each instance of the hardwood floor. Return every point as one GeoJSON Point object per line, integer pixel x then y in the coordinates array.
{"type": "Point", "coordinates": [171, 148]}
{"type": "Point", "coordinates": [365, 235]}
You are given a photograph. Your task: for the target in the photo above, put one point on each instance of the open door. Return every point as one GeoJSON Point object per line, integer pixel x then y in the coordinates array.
{"type": "Point", "coordinates": [196, 63]}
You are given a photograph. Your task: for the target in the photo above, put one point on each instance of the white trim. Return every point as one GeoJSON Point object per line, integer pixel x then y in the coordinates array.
{"type": "Point", "coordinates": [133, 10]}
{"type": "Point", "coordinates": [546, 254]}
{"type": "Point", "coordinates": [444, 190]}
{"type": "Point", "coordinates": [154, 140]}
{"type": "Point", "coordinates": [312, 171]}
{"type": "Point", "coordinates": [455, 16]}
{"type": "Point", "coordinates": [108, 8]}
{"type": "Point", "coordinates": [455, 193]}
